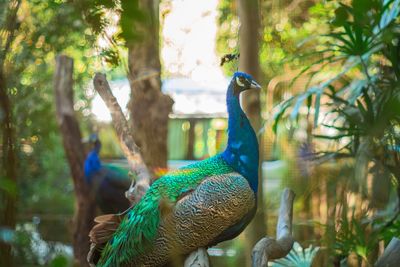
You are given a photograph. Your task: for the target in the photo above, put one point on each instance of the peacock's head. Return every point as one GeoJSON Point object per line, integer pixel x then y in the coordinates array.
{"type": "Point", "coordinates": [242, 81]}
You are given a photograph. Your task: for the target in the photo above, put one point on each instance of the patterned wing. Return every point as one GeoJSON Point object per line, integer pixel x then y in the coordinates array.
{"type": "Point", "coordinates": [198, 219]}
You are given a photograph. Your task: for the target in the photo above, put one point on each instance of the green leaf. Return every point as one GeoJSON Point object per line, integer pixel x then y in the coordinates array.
{"type": "Point", "coordinates": [355, 89]}
{"type": "Point", "coordinates": [131, 15]}
{"type": "Point", "coordinates": [331, 137]}
{"type": "Point", "coordinates": [391, 12]}
{"type": "Point", "coordinates": [8, 186]}
{"type": "Point", "coordinates": [300, 99]}
{"type": "Point", "coordinates": [111, 56]}
{"type": "Point", "coordinates": [342, 129]}
{"type": "Point", "coordinates": [317, 107]}
{"type": "Point", "coordinates": [59, 261]}
{"type": "Point", "coordinates": [281, 111]}
{"type": "Point", "coordinates": [341, 16]}
{"type": "Point", "coordinates": [369, 106]}
{"type": "Point", "coordinates": [309, 103]}
{"type": "Point", "coordinates": [350, 34]}
{"type": "Point", "coordinates": [309, 67]}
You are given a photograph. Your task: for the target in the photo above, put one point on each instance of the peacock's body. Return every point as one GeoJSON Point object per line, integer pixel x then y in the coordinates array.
{"type": "Point", "coordinates": [196, 206]}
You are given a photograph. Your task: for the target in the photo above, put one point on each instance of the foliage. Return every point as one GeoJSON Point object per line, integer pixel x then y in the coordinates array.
{"type": "Point", "coordinates": [96, 14]}
{"type": "Point", "coordinates": [298, 257]}
{"type": "Point", "coordinates": [117, 22]}
{"type": "Point", "coordinates": [355, 236]}
{"type": "Point", "coordinates": [361, 99]}
{"type": "Point", "coordinates": [361, 235]}
{"type": "Point", "coordinates": [42, 30]}
{"type": "Point", "coordinates": [354, 110]}
{"type": "Point", "coordinates": [29, 65]}
{"type": "Point", "coordinates": [283, 27]}
{"type": "Point", "coordinates": [288, 33]}
{"type": "Point", "coordinates": [359, 102]}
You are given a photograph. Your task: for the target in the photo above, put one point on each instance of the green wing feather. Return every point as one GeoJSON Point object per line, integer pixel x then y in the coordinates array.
{"type": "Point", "coordinates": [138, 230]}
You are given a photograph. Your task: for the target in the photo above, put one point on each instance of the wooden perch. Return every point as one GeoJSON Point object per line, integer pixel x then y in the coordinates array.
{"type": "Point", "coordinates": [270, 249]}
{"type": "Point", "coordinates": [198, 258]}
{"type": "Point", "coordinates": [129, 147]}
{"type": "Point", "coordinates": [391, 255]}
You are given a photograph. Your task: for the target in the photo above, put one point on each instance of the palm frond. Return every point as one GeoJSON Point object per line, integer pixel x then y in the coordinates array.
{"type": "Point", "coordinates": [298, 257]}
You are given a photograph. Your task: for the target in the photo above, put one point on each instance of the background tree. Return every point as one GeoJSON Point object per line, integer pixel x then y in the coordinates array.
{"type": "Point", "coordinates": [138, 31]}
{"type": "Point", "coordinates": [69, 128]}
{"type": "Point", "coordinates": [249, 38]}
{"type": "Point", "coordinates": [149, 107]}
{"type": "Point", "coordinates": [8, 174]}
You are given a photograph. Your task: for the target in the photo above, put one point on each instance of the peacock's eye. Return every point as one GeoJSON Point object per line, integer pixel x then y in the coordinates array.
{"type": "Point", "coordinates": [239, 81]}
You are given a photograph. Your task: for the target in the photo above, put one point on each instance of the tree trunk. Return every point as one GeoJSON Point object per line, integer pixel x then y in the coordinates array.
{"type": "Point", "coordinates": [249, 62]}
{"type": "Point", "coordinates": [8, 152]}
{"type": "Point", "coordinates": [69, 127]}
{"type": "Point", "coordinates": [8, 172]}
{"type": "Point", "coordinates": [149, 108]}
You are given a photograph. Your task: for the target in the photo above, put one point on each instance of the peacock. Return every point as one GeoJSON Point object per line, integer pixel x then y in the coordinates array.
{"type": "Point", "coordinates": [108, 182]}
{"type": "Point", "coordinates": [199, 205]}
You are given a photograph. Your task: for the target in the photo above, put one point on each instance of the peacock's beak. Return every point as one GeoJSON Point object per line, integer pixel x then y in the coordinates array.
{"type": "Point", "coordinates": [255, 85]}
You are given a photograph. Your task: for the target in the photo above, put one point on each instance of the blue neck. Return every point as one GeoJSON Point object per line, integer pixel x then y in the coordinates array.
{"type": "Point", "coordinates": [242, 150]}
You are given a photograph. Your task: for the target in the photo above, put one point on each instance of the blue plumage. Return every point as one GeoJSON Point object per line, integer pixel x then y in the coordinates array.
{"type": "Point", "coordinates": [92, 165]}
{"type": "Point", "coordinates": [242, 151]}
{"type": "Point", "coordinates": [107, 182]}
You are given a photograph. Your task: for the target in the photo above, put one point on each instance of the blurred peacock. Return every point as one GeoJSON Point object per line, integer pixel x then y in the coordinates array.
{"type": "Point", "coordinates": [199, 205]}
{"type": "Point", "coordinates": [108, 182]}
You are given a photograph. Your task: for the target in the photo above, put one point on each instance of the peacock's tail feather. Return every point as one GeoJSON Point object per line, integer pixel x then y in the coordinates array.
{"type": "Point", "coordinates": [135, 233]}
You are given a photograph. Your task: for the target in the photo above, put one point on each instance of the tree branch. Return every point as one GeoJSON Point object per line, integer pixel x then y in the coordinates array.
{"type": "Point", "coordinates": [268, 248]}
{"type": "Point", "coordinates": [129, 147]}
{"type": "Point", "coordinates": [198, 258]}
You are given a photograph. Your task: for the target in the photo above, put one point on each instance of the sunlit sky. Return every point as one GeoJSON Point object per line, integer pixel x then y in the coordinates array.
{"type": "Point", "coordinates": [188, 49]}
